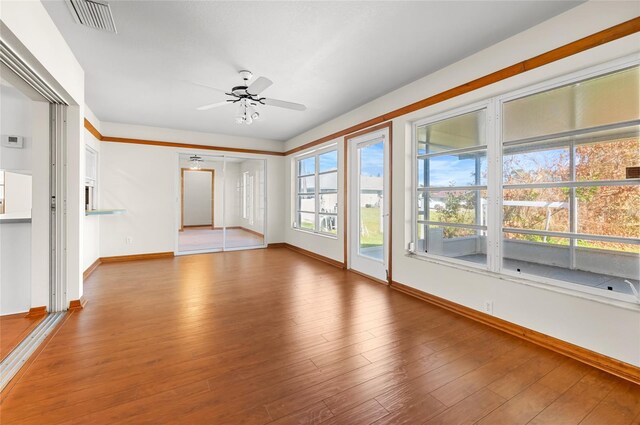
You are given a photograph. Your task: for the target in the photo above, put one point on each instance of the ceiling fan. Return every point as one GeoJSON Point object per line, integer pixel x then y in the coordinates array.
{"type": "Point", "coordinates": [247, 96]}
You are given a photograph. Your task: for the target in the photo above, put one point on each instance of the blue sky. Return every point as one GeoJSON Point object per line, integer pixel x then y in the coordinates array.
{"type": "Point", "coordinates": [451, 171]}
{"type": "Point", "coordinates": [372, 160]}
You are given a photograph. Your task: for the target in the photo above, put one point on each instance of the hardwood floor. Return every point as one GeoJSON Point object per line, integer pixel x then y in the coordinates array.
{"type": "Point", "coordinates": [274, 337]}
{"type": "Point", "coordinates": [13, 329]}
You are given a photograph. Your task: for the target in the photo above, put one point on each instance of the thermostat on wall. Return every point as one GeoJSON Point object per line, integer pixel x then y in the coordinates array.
{"type": "Point", "coordinates": [12, 141]}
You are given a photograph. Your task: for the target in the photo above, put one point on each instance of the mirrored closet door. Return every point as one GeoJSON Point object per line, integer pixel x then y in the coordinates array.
{"type": "Point", "coordinates": [222, 203]}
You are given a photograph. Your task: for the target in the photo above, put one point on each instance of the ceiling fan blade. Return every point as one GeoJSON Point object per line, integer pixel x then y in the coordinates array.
{"type": "Point", "coordinates": [283, 104]}
{"type": "Point", "coordinates": [213, 105]}
{"type": "Point", "coordinates": [259, 85]}
{"type": "Point", "coordinates": [205, 86]}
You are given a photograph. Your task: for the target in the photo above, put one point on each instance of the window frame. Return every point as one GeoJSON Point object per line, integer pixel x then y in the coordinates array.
{"type": "Point", "coordinates": [488, 106]}
{"type": "Point", "coordinates": [316, 153]}
{"type": "Point", "coordinates": [494, 148]}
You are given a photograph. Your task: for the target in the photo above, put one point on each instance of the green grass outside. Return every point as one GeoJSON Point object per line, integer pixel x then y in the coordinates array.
{"type": "Point", "coordinates": [371, 222]}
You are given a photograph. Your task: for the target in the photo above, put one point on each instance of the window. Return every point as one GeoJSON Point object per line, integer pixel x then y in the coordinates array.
{"type": "Point", "coordinates": [569, 212]}
{"type": "Point", "coordinates": [317, 192]}
{"type": "Point", "coordinates": [552, 195]}
{"type": "Point", "coordinates": [90, 179]}
{"type": "Point", "coordinates": [452, 187]}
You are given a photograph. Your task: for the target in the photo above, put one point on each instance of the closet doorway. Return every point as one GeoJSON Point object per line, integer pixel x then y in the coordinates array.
{"type": "Point", "coordinates": [222, 203]}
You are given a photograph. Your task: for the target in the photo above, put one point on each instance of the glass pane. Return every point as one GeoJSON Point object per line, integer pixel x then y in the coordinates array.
{"type": "Point", "coordinates": [462, 244]}
{"type": "Point", "coordinates": [536, 209]}
{"type": "Point", "coordinates": [329, 182]}
{"type": "Point", "coordinates": [307, 166]}
{"type": "Point", "coordinates": [244, 205]}
{"type": "Point", "coordinates": [306, 221]}
{"type": "Point", "coordinates": [307, 203]}
{"type": "Point", "coordinates": [459, 132]}
{"type": "Point", "coordinates": [602, 100]}
{"type": "Point", "coordinates": [371, 176]}
{"type": "Point", "coordinates": [537, 163]}
{"type": "Point", "coordinates": [202, 212]}
{"type": "Point", "coordinates": [609, 210]}
{"type": "Point", "coordinates": [534, 254]}
{"type": "Point", "coordinates": [329, 224]}
{"type": "Point", "coordinates": [329, 203]}
{"type": "Point", "coordinates": [456, 170]}
{"type": "Point", "coordinates": [307, 184]}
{"type": "Point", "coordinates": [421, 206]}
{"type": "Point", "coordinates": [602, 265]}
{"type": "Point", "coordinates": [607, 159]}
{"type": "Point", "coordinates": [328, 161]}
{"type": "Point", "coordinates": [458, 206]}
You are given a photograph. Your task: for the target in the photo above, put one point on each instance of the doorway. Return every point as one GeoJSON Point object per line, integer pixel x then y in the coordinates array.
{"type": "Point", "coordinates": [222, 203]}
{"type": "Point", "coordinates": [32, 233]}
{"type": "Point", "coordinates": [369, 203]}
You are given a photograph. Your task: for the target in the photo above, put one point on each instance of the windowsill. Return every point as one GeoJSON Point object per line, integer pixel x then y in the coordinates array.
{"type": "Point", "coordinates": [311, 232]}
{"type": "Point", "coordinates": [625, 301]}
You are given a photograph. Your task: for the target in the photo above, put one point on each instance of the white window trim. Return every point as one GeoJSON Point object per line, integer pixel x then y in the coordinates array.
{"type": "Point", "coordinates": [315, 153]}
{"type": "Point", "coordinates": [478, 106]}
{"type": "Point", "coordinates": [494, 188]}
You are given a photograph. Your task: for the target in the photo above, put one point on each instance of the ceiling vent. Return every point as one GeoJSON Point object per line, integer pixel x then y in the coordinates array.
{"type": "Point", "coordinates": [93, 14]}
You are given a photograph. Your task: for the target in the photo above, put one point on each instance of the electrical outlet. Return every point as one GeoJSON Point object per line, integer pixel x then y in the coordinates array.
{"type": "Point", "coordinates": [488, 307]}
{"type": "Point", "coordinates": [129, 240]}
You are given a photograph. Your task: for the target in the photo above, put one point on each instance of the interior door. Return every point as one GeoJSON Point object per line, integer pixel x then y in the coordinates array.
{"type": "Point", "coordinates": [369, 204]}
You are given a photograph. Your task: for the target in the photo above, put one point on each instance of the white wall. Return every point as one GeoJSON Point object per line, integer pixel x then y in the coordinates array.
{"type": "Point", "coordinates": [15, 273]}
{"type": "Point", "coordinates": [584, 320]}
{"type": "Point", "coordinates": [15, 120]}
{"type": "Point", "coordinates": [331, 247]}
{"type": "Point", "coordinates": [17, 193]}
{"type": "Point", "coordinates": [144, 180]}
{"type": "Point", "coordinates": [91, 223]}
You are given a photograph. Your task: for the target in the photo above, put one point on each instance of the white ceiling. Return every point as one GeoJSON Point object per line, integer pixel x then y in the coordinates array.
{"type": "Point", "coordinates": [330, 56]}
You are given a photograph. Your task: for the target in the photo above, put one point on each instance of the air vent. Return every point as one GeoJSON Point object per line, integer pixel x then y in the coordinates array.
{"type": "Point", "coordinates": [93, 14]}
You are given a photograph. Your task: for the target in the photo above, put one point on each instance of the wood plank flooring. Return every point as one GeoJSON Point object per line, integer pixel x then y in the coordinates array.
{"type": "Point", "coordinates": [13, 329]}
{"type": "Point", "coordinates": [274, 337]}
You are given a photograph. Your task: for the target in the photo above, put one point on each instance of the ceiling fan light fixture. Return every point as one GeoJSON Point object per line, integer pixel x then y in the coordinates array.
{"type": "Point", "coordinates": [247, 96]}
{"type": "Point", "coordinates": [195, 162]}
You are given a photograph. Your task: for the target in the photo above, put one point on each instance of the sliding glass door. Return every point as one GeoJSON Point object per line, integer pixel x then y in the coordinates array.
{"type": "Point", "coordinates": [222, 203]}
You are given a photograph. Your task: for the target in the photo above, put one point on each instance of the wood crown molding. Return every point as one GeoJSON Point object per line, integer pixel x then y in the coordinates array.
{"type": "Point", "coordinates": [136, 257]}
{"type": "Point", "coordinates": [37, 311]}
{"type": "Point", "coordinates": [92, 129]}
{"type": "Point", "coordinates": [608, 364]}
{"type": "Point", "coordinates": [102, 138]}
{"type": "Point", "coordinates": [594, 40]}
{"type": "Point", "coordinates": [311, 254]}
{"type": "Point", "coordinates": [91, 269]}
{"type": "Point", "coordinates": [78, 304]}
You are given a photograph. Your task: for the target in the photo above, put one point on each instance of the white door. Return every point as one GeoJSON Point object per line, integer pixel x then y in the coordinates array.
{"type": "Point", "coordinates": [369, 204]}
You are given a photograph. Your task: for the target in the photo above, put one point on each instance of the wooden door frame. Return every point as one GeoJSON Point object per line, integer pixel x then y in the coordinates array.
{"type": "Point", "coordinates": [213, 180]}
{"type": "Point", "coordinates": [389, 126]}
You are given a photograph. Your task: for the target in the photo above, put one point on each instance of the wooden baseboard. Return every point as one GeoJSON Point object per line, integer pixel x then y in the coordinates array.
{"type": "Point", "coordinates": [311, 254]}
{"type": "Point", "coordinates": [91, 269]}
{"type": "Point", "coordinates": [383, 282]}
{"type": "Point", "coordinates": [136, 257]}
{"type": "Point", "coordinates": [597, 360]}
{"type": "Point", "coordinates": [277, 245]}
{"type": "Point", "coordinates": [37, 311]}
{"type": "Point", "coordinates": [78, 304]}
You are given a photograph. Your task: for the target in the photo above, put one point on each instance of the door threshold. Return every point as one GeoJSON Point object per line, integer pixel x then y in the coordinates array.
{"type": "Point", "coordinates": [11, 364]}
